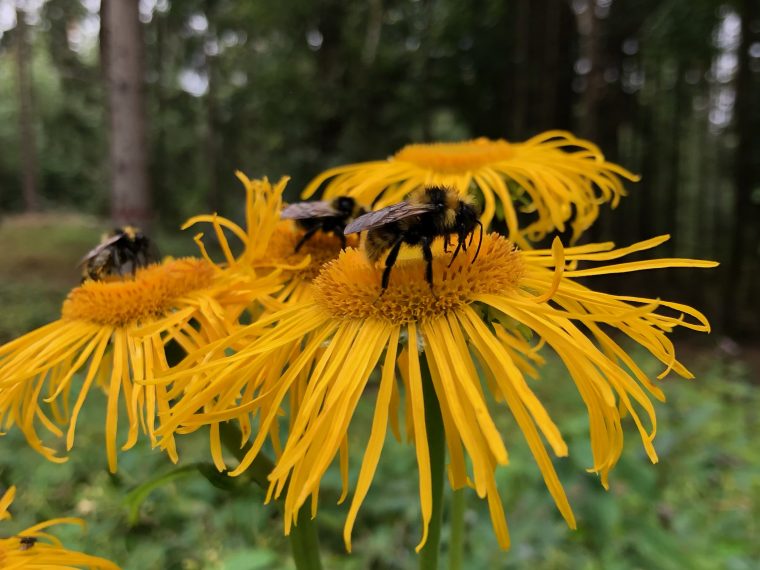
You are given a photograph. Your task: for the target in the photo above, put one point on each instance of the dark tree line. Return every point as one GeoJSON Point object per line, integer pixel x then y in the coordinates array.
{"type": "Point", "coordinates": [667, 88]}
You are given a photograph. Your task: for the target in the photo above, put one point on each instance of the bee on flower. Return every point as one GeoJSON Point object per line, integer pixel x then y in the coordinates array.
{"type": "Point", "coordinates": [115, 332]}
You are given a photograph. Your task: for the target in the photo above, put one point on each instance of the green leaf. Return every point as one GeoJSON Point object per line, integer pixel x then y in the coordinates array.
{"type": "Point", "coordinates": [250, 559]}
{"type": "Point", "coordinates": [135, 498]}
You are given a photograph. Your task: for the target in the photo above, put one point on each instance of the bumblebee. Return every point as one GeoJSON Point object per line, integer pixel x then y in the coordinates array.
{"type": "Point", "coordinates": [120, 252]}
{"type": "Point", "coordinates": [426, 214]}
{"type": "Point", "coordinates": [330, 217]}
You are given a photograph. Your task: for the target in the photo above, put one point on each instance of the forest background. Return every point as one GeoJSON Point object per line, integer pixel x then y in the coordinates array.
{"type": "Point", "coordinates": [669, 88]}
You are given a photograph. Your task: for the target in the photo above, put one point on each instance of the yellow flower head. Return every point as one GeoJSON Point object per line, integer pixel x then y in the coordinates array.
{"type": "Point", "coordinates": [267, 247]}
{"type": "Point", "coordinates": [35, 548]}
{"type": "Point", "coordinates": [325, 351]}
{"type": "Point", "coordinates": [116, 333]}
{"type": "Point", "coordinates": [548, 176]}
{"type": "Point", "coordinates": [268, 243]}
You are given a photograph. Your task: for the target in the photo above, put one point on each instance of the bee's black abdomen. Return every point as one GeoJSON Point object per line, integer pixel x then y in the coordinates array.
{"type": "Point", "coordinates": [380, 240]}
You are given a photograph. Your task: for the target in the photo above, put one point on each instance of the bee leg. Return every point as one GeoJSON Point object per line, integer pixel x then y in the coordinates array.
{"type": "Point", "coordinates": [310, 232]}
{"type": "Point", "coordinates": [117, 263]}
{"type": "Point", "coordinates": [338, 232]}
{"type": "Point", "coordinates": [446, 243]}
{"type": "Point", "coordinates": [130, 255]}
{"type": "Point", "coordinates": [427, 254]}
{"type": "Point", "coordinates": [389, 263]}
{"type": "Point", "coordinates": [480, 242]}
{"type": "Point", "coordinates": [456, 252]}
{"type": "Point", "coordinates": [142, 259]}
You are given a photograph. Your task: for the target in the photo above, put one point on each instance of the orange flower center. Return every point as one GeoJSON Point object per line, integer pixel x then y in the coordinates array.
{"type": "Point", "coordinates": [456, 158]}
{"type": "Point", "coordinates": [321, 247]}
{"type": "Point", "coordinates": [152, 293]}
{"type": "Point", "coordinates": [349, 287]}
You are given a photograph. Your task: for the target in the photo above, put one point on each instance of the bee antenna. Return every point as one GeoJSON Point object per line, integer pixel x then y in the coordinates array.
{"type": "Point", "coordinates": [480, 241]}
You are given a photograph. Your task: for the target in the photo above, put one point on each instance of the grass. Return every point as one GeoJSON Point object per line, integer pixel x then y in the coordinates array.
{"type": "Point", "coordinates": [39, 264]}
{"type": "Point", "coordinates": [698, 508]}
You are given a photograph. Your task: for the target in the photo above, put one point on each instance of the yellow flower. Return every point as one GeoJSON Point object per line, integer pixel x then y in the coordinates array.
{"type": "Point", "coordinates": [267, 247]}
{"type": "Point", "coordinates": [35, 548]}
{"type": "Point", "coordinates": [268, 243]}
{"type": "Point", "coordinates": [551, 175]}
{"type": "Point", "coordinates": [472, 321]}
{"type": "Point", "coordinates": [116, 333]}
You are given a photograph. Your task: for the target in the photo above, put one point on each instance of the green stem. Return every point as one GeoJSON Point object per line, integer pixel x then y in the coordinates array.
{"type": "Point", "coordinates": [437, 449]}
{"type": "Point", "coordinates": [260, 468]}
{"type": "Point", "coordinates": [456, 523]}
{"type": "Point", "coordinates": [304, 542]}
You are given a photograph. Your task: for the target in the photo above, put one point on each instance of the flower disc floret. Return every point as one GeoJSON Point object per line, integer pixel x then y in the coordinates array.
{"type": "Point", "coordinates": [321, 248]}
{"type": "Point", "coordinates": [150, 294]}
{"type": "Point", "coordinates": [456, 157]}
{"type": "Point", "coordinates": [349, 287]}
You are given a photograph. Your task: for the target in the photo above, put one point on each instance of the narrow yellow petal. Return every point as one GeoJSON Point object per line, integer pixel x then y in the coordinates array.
{"type": "Point", "coordinates": [120, 366]}
{"type": "Point", "coordinates": [420, 434]}
{"type": "Point", "coordinates": [377, 436]}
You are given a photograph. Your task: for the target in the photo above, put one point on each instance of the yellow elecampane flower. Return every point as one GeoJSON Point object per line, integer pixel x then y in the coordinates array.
{"type": "Point", "coordinates": [554, 179]}
{"type": "Point", "coordinates": [317, 357]}
{"type": "Point", "coordinates": [36, 549]}
{"type": "Point", "coordinates": [116, 333]}
{"type": "Point", "coordinates": [266, 247]}
{"type": "Point", "coordinates": [268, 243]}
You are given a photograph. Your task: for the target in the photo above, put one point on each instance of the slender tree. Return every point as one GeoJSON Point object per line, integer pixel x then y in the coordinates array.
{"type": "Point", "coordinates": [26, 119]}
{"type": "Point", "coordinates": [121, 52]}
{"type": "Point", "coordinates": [743, 253]}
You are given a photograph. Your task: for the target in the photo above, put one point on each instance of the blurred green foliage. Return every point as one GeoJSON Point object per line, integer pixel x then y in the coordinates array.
{"type": "Point", "coordinates": [698, 508]}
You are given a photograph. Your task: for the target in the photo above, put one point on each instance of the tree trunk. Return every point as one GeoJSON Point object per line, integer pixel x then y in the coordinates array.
{"type": "Point", "coordinates": [213, 196]}
{"type": "Point", "coordinates": [518, 83]}
{"type": "Point", "coordinates": [589, 28]}
{"type": "Point", "coordinates": [739, 292]}
{"type": "Point", "coordinates": [123, 70]}
{"type": "Point", "coordinates": [673, 190]}
{"type": "Point", "coordinates": [26, 117]}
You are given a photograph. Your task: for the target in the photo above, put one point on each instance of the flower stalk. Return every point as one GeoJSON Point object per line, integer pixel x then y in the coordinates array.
{"type": "Point", "coordinates": [456, 526]}
{"type": "Point", "coordinates": [262, 465]}
{"type": "Point", "coordinates": [304, 540]}
{"type": "Point", "coordinates": [437, 449]}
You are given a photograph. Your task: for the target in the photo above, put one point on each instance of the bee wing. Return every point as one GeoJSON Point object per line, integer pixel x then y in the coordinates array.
{"type": "Point", "coordinates": [303, 210]}
{"type": "Point", "coordinates": [387, 215]}
{"type": "Point", "coordinates": [100, 247]}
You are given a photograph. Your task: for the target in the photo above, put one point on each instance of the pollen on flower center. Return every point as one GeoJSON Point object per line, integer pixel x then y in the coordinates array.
{"type": "Point", "coordinates": [150, 293]}
{"type": "Point", "coordinates": [459, 157]}
{"type": "Point", "coordinates": [321, 247]}
{"type": "Point", "coordinates": [349, 287]}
